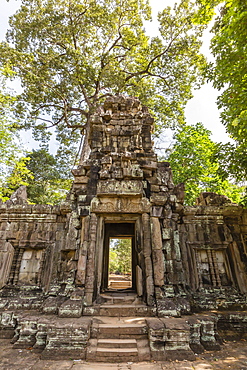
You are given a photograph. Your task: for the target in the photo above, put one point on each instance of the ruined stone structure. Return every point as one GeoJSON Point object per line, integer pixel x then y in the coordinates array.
{"type": "Point", "coordinates": [189, 264]}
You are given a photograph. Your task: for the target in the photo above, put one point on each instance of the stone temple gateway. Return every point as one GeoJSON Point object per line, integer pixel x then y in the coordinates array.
{"type": "Point", "coordinates": [189, 264]}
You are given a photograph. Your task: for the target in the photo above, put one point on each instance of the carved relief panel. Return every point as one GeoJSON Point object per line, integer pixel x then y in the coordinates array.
{"type": "Point", "coordinates": [213, 268]}
{"type": "Point", "coordinates": [27, 266]}
{"type": "Point", "coordinates": [30, 267]}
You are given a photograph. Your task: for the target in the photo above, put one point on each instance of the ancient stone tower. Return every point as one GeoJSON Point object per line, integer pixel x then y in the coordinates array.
{"type": "Point", "coordinates": [184, 260]}
{"type": "Point", "coordinates": [123, 191]}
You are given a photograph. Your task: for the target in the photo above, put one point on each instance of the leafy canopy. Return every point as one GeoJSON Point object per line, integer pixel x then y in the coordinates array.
{"type": "Point", "coordinates": [12, 163]}
{"type": "Point", "coordinates": [47, 177]}
{"type": "Point", "coordinates": [8, 134]}
{"type": "Point", "coordinates": [229, 75]}
{"type": "Point", "coordinates": [20, 175]}
{"type": "Point", "coordinates": [71, 54]}
{"type": "Point", "coordinates": [194, 162]}
{"type": "Point", "coordinates": [229, 46]}
{"type": "Point", "coordinates": [51, 177]}
{"type": "Point", "coordinates": [120, 256]}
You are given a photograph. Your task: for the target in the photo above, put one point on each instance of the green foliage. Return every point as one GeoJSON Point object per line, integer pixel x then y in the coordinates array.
{"type": "Point", "coordinates": [70, 55]}
{"type": "Point", "coordinates": [229, 76]}
{"type": "Point", "coordinates": [113, 262]}
{"type": "Point", "coordinates": [229, 71]}
{"type": "Point", "coordinates": [48, 192]}
{"type": "Point", "coordinates": [194, 161]}
{"type": "Point", "coordinates": [47, 178]}
{"type": "Point", "coordinates": [51, 180]}
{"type": "Point", "coordinates": [20, 175]}
{"type": "Point", "coordinates": [233, 161]}
{"type": "Point", "coordinates": [10, 149]}
{"type": "Point", "coordinates": [206, 10]}
{"type": "Point", "coordinates": [120, 256]}
{"type": "Point", "coordinates": [8, 146]}
{"type": "Point", "coordinates": [8, 137]}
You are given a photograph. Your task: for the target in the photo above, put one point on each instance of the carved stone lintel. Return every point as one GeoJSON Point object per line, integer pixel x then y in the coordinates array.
{"type": "Point", "coordinates": [120, 188]}
{"type": "Point", "coordinates": [120, 205]}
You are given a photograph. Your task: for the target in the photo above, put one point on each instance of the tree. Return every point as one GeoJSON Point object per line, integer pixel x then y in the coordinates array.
{"type": "Point", "coordinates": [8, 145]}
{"type": "Point", "coordinates": [120, 256]}
{"type": "Point", "coordinates": [8, 137]}
{"type": "Point", "coordinates": [229, 71]}
{"type": "Point", "coordinates": [12, 163]}
{"type": "Point", "coordinates": [51, 180]}
{"type": "Point", "coordinates": [71, 54]}
{"type": "Point", "coordinates": [232, 159]}
{"type": "Point", "coordinates": [194, 162]}
{"type": "Point", "coordinates": [229, 76]}
{"type": "Point", "coordinates": [47, 177]}
{"type": "Point", "coordinates": [20, 175]}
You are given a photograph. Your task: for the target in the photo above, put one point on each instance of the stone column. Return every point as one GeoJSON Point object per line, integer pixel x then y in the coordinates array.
{"type": "Point", "coordinates": [6, 257]}
{"type": "Point", "coordinates": [157, 252]}
{"type": "Point", "coordinates": [216, 268]}
{"type": "Point", "coordinates": [82, 258]}
{"type": "Point", "coordinates": [99, 253]}
{"type": "Point", "coordinates": [13, 266]}
{"type": "Point", "coordinates": [211, 267]}
{"type": "Point", "coordinates": [18, 265]}
{"type": "Point", "coordinates": [147, 251]}
{"type": "Point", "coordinates": [90, 272]}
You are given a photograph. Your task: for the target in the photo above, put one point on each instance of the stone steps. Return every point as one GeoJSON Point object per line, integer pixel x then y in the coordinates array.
{"type": "Point", "coordinates": [120, 284]}
{"type": "Point", "coordinates": [117, 355]}
{"type": "Point", "coordinates": [118, 342]}
{"type": "Point", "coordinates": [119, 304]}
{"type": "Point", "coordinates": [120, 299]}
{"type": "Point", "coordinates": [116, 351]}
{"type": "Point", "coordinates": [124, 310]}
{"type": "Point", "coordinates": [121, 331]}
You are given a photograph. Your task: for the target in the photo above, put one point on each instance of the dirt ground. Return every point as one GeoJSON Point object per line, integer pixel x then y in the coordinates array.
{"type": "Point", "coordinates": [233, 355]}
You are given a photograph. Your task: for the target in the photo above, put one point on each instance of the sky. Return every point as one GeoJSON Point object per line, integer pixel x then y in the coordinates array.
{"type": "Point", "coordinates": [201, 108]}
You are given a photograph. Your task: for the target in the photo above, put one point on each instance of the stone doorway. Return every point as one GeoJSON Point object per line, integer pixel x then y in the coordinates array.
{"type": "Point", "coordinates": [119, 233]}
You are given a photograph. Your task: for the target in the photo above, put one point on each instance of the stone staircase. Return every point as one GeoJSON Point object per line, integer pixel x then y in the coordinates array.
{"type": "Point", "coordinates": [119, 328]}
{"type": "Point", "coordinates": [120, 284]}
{"type": "Point", "coordinates": [119, 331]}
{"type": "Point", "coordinates": [119, 304]}
{"type": "Point", "coordinates": [118, 340]}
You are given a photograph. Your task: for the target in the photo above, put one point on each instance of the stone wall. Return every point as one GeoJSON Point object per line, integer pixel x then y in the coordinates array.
{"type": "Point", "coordinates": [33, 247]}
{"type": "Point", "coordinates": [212, 238]}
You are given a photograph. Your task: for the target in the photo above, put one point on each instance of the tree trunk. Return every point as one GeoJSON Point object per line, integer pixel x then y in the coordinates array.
{"type": "Point", "coordinates": [85, 146]}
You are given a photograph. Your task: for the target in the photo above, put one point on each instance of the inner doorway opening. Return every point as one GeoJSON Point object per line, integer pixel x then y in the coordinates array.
{"type": "Point", "coordinates": [120, 263]}
{"type": "Point", "coordinates": [119, 258]}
